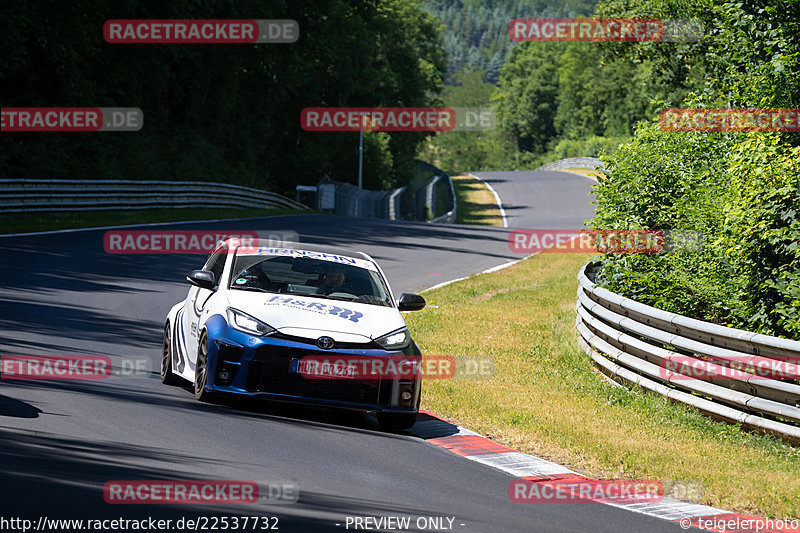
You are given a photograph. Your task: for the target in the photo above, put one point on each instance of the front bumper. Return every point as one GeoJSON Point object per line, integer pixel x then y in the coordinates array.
{"type": "Point", "coordinates": [248, 365]}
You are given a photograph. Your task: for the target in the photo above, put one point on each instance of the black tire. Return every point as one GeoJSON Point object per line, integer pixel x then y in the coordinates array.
{"type": "Point", "coordinates": [167, 377]}
{"type": "Point", "coordinates": [201, 371]}
{"type": "Point", "coordinates": [396, 420]}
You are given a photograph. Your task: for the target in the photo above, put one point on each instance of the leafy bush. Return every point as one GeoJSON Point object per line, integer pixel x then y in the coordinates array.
{"type": "Point", "coordinates": [764, 232]}
{"type": "Point", "coordinates": [739, 191]}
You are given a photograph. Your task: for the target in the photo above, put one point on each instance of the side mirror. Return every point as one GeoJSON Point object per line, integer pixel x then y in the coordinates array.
{"type": "Point", "coordinates": [410, 302]}
{"type": "Point", "coordinates": [201, 278]}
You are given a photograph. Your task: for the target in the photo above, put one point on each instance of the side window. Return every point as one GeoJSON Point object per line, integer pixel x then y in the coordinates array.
{"type": "Point", "coordinates": [216, 263]}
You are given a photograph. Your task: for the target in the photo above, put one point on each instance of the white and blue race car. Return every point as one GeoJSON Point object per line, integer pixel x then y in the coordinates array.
{"type": "Point", "coordinates": [295, 323]}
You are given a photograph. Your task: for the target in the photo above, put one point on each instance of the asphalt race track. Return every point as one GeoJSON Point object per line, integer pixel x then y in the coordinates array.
{"type": "Point", "coordinates": [542, 200]}
{"type": "Point", "coordinates": [61, 441]}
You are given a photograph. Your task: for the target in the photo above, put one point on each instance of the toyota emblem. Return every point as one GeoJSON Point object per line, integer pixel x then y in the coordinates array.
{"type": "Point", "coordinates": [326, 343]}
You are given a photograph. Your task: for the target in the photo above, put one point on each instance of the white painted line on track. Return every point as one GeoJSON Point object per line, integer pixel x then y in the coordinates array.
{"type": "Point", "coordinates": [496, 199]}
{"type": "Point", "coordinates": [520, 464]}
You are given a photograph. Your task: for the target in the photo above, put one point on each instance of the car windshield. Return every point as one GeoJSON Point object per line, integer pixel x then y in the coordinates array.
{"type": "Point", "coordinates": [308, 276]}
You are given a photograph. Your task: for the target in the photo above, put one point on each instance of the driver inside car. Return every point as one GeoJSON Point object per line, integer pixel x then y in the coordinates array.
{"type": "Point", "coordinates": [332, 281]}
{"type": "Point", "coordinates": [255, 277]}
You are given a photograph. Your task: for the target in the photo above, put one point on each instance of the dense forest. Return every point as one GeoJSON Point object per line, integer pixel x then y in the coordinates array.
{"type": "Point", "coordinates": [225, 112]}
{"type": "Point", "coordinates": [475, 33]}
{"type": "Point", "coordinates": [231, 112]}
{"type": "Point", "coordinates": [552, 100]}
{"type": "Point", "coordinates": [739, 191]}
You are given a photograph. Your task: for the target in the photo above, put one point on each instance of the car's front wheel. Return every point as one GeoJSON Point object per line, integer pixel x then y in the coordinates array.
{"type": "Point", "coordinates": [167, 377]}
{"type": "Point", "coordinates": [396, 420]}
{"type": "Point", "coordinates": [201, 371]}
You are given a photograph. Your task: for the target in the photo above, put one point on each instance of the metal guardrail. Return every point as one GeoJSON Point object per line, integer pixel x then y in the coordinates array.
{"type": "Point", "coordinates": [450, 216]}
{"type": "Point", "coordinates": [92, 195]}
{"type": "Point", "coordinates": [404, 203]}
{"type": "Point", "coordinates": [573, 162]}
{"type": "Point", "coordinates": [355, 202]}
{"type": "Point", "coordinates": [635, 343]}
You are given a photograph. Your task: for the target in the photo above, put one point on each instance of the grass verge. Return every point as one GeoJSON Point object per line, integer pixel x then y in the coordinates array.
{"type": "Point", "coordinates": [592, 173]}
{"type": "Point", "coordinates": [475, 203]}
{"type": "Point", "coordinates": [546, 399]}
{"type": "Point", "coordinates": [32, 222]}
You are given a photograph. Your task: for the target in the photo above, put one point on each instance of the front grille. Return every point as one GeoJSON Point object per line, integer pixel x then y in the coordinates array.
{"type": "Point", "coordinates": [269, 371]}
{"type": "Point", "coordinates": [371, 345]}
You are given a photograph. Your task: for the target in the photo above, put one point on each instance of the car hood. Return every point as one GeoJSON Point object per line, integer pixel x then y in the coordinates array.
{"type": "Point", "coordinates": [311, 317]}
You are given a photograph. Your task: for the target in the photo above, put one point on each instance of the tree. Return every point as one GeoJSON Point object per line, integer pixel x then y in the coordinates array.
{"type": "Point", "coordinates": [217, 112]}
{"type": "Point", "coordinates": [526, 100]}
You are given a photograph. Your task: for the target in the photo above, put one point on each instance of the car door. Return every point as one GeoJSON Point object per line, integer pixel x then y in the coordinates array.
{"type": "Point", "coordinates": [197, 301]}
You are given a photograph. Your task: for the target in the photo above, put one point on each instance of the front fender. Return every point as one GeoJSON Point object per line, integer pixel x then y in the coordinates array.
{"type": "Point", "coordinates": [214, 328]}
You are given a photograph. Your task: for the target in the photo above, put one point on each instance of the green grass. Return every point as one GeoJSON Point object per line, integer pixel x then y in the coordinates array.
{"type": "Point", "coordinates": [475, 203]}
{"type": "Point", "coordinates": [547, 399]}
{"type": "Point", "coordinates": [32, 222]}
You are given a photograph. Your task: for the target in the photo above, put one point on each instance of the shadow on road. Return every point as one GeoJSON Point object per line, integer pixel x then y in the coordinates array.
{"type": "Point", "coordinates": [17, 409]}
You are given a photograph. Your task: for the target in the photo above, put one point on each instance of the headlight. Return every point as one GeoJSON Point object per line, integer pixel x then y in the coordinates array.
{"type": "Point", "coordinates": [394, 340]}
{"type": "Point", "coordinates": [244, 322]}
